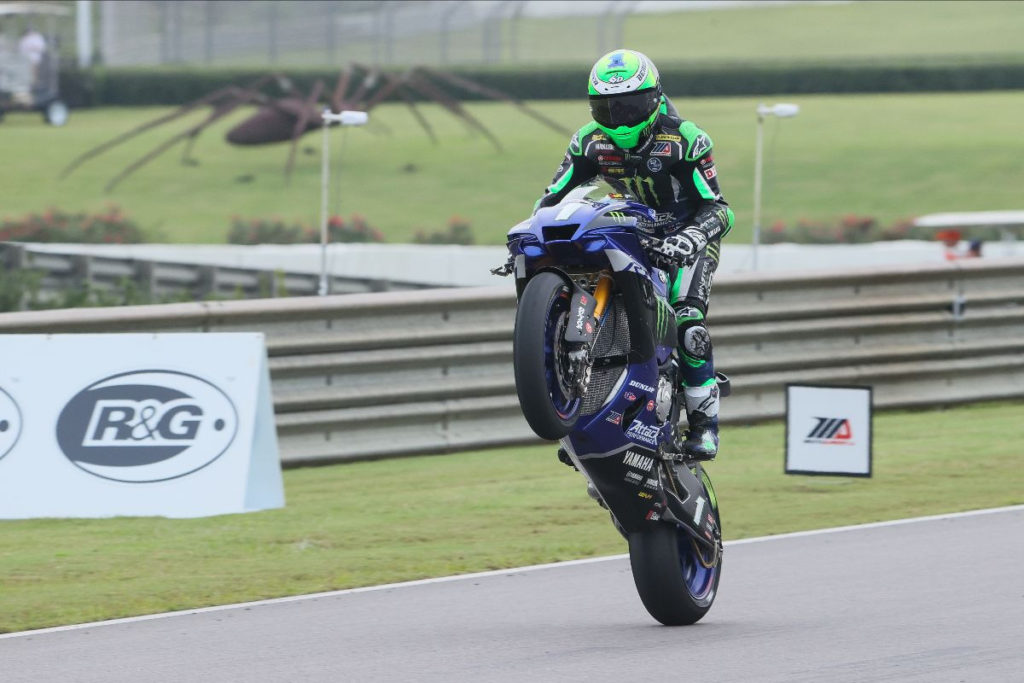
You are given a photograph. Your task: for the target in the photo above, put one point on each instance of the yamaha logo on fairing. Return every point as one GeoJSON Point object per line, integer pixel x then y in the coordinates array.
{"type": "Point", "coordinates": [10, 423]}
{"type": "Point", "coordinates": [147, 426]}
{"type": "Point", "coordinates": [638, 460]}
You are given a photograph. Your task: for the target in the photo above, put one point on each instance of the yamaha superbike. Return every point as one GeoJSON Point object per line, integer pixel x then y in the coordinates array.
{"type": "Point", "coordinates": [596, 368]}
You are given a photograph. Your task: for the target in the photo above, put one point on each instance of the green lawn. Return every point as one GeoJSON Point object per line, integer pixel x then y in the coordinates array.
{"type": "Point", "coordinates": [376, 522]}
{"type": "Point", "coordinates": [860, 30]}
{"type": "Point", "coordinates": [888, 156]}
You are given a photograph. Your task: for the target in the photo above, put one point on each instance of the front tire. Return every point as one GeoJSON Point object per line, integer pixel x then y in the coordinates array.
{"type": "Point", "coordinates": [670, 576]}
{"type": "Point", "coordinates": [546, 395]}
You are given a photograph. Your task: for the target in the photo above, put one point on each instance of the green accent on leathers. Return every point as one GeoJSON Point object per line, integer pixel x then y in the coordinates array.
{"type": "Point", "coordinates": [702, 186]}
{"type": "Point", "coordinates": [693, 134]}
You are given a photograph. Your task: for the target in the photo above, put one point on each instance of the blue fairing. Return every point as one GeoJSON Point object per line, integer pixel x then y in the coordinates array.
{"type": "Point", "coordinates": [602, 235]}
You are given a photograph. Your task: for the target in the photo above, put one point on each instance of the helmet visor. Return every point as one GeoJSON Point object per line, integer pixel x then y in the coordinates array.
{"type": "Point", "coordinates": [627, 109]}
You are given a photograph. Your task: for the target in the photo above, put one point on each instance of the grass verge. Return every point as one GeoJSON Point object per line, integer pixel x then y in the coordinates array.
{"type": "Point", "coordinates": [886, 156]}
{"type": "Point", "coordinates": [378, 522]}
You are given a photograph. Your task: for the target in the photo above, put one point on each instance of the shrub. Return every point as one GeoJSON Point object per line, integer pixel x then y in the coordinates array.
{"type": "Point", "coordinates": [854, 229]}
{"type": "Point", "coordinates": [144, 86]}
{"type": "Point", "coordinates": [54, 225]}
{"type": "Point", "coordinates": [458, 232]}
{"type": "Point", "coordinates": [276, 231]}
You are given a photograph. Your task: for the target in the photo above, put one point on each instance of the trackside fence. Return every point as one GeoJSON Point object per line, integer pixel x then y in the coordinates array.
{"type": "Point", "coordinates": [402, 373]}
{"type": "Point", "coordinates": [164, 280]}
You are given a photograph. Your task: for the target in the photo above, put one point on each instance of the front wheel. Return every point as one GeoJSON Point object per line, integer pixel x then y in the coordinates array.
{"type": "Point", "coordinates": [677, 580]}
{"type": "Point", "coordinates": [546, 388]}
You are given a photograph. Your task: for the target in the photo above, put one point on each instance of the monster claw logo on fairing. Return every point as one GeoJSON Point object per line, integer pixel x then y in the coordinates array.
{"type": "Point", "coordinates": [10, 423]}
{"type": "Point", "coordinates": [147, 426]}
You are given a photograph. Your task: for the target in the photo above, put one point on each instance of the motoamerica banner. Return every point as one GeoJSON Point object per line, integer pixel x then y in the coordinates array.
{"type": "Point", "coordinates": [97, 425]}
{"type": "Point", "coordinates": [828, 430]}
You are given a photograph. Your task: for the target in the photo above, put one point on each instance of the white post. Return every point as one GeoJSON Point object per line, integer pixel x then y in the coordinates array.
{"type": "Point", "coordinates": [325, 168]}
{"type": "Point", "coordinates": [757, 186]}
{"type": "Point", "coordinates": [83, 33]}
{"type": "Point", "coordinates": [782, 111]}
{"type": "Point", "coordinates": [345, 118]}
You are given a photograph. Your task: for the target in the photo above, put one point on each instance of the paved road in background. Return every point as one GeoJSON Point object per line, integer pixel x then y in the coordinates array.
{"type": "Point", "coordinates": [932, 600]}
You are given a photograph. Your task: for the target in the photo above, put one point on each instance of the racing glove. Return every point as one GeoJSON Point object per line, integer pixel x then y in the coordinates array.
{"type": "Point", "coordinates": [681, 248]}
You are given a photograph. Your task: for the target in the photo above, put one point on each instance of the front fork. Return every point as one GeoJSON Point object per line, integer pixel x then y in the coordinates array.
{"type": "Point", "coordinates": [586, 312]}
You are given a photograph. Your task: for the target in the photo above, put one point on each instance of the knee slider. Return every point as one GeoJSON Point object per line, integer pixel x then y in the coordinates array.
{"type": "Point", "coordinates": [694, 338]}
{"type": "Point", "coordinates": [696, 341]}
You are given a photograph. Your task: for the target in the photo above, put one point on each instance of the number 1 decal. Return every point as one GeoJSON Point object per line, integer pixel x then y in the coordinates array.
{"type": "Point", "coordinates": [700, 509]}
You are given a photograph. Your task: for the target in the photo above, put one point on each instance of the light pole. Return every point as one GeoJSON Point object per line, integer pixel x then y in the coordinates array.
{"type": "Point", "coordinates": [781, 111]}
{"type": "Point", "coordinates": [345, 118]}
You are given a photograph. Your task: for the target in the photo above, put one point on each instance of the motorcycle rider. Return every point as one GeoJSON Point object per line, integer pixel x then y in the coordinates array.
{"type": "Point", "coordinates": [641, 147]}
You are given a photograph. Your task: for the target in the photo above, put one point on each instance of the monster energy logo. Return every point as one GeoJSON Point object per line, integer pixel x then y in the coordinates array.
{"type": "Point", "coordinates": [640, 187]}
{"type": "Point", "coordinates": [664, 314]}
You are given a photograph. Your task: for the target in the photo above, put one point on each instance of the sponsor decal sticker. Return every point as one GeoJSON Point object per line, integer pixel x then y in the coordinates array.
{"type": "Point", "coordinates": [662, 149]}
{"type": "Point", "coordinates": [644, 495]}
{"type": "Point", "coordinates": [633, 477]}
{"type": "Point", "coordinates": [653, 516]}
{"type": "Point", "coordinates": [662, 137]}
{"type": "Point", "coordinates": [630, 396]}
{"type": "Point", "coordinates": [834, 431]}
{"type": "Point", "coordinates": [618, 170]}
{"type": "Point", "coordinates": [700, 145]}
{"type": "Point", "coordinates": [609, 158]}
{"type": "Point", "coordinates": [650, 405]}
{"type": "Point", "coordinates": [641, 386]}
{"type": "Point", "coordinates": [147, 426]}
{"type": "Point", "coordinates": [653, 165]}
{"type": "Point", "coordinates": [614, 418]}
{"type": "Point", "coordinates": [710, 173]}
{"type": "Point", "coordinates": [643, 433]}
{"type": "Point", "coordinates": [10, 423]}
{"type": "Point", "coordinates": [638, 460]}
{"type": "Point", "coordinates": [604, 146]}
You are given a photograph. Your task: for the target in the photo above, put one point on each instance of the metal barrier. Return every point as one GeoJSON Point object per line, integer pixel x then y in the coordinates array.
{"type": "Point", "coordinates": [156, 280]}
{"type": "Point", "coordinates": [402, 373]}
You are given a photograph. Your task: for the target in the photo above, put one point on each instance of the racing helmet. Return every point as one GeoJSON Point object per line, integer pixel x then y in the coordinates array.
{"type": "Point", "coordinates": [625, 95]}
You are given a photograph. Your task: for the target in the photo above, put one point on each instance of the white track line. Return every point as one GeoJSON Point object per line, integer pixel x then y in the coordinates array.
{"type": "Point", "coordinates": [496, 572]}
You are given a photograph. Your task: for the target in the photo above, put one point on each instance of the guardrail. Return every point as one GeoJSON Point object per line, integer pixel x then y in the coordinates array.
{"type": "Point", "coordinates": [401, 373]}
{"type": "Point", "coordinates": [157, 280]}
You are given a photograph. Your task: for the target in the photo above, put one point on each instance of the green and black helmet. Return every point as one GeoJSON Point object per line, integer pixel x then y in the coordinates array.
{"type": "Point", "coordinates": [625, 95]}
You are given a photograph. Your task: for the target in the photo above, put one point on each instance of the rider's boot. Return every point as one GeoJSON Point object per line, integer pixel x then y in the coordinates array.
{"type": "Point", "coordinates": [701, 441]}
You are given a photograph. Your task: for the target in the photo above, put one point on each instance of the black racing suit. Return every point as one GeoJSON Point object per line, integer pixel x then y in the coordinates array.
{"type": "Point", "coordinates": [673, 172]}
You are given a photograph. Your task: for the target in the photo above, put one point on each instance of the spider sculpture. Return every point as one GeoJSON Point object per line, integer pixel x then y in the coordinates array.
{"type": "Point", "coordinates": [287, 118]}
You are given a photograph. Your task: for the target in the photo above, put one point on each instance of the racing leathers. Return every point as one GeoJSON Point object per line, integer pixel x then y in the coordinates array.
{"type": "Point", "coordinates": [672, 171]}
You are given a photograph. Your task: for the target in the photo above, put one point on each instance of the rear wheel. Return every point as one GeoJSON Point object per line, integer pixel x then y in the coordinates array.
{"type": "Point", "coordinates": [546, 388]}
{"type": "Point", "coordinates": [677, 580]}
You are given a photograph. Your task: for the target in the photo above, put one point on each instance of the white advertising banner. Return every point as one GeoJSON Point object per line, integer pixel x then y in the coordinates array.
{"type": "Point", "coordinates": [98, 425]}
{"type": "Point", "coordinates": [828, 430]}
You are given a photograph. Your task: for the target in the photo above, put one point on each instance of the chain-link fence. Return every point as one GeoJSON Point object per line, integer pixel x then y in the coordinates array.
{"type": "Point", "coordinates": [322, 33]}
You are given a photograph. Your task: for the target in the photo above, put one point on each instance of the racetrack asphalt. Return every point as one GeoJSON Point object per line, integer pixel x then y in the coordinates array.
{"type": "Point", "coordinates": [934, 599]}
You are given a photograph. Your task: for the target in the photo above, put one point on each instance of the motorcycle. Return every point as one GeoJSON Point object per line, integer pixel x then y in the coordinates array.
{"type": "Point", "coordinates": [596, 368]}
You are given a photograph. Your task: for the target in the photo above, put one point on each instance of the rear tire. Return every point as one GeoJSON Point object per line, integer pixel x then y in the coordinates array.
{"type": "Point", "coordinates": [538, 348]}
{"type": "Point", "coordinates": [674, 586]}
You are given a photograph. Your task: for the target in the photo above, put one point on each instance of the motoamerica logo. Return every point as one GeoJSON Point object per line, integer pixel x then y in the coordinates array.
{"type": "Point", "coordinates": [10, 423]}
{"type": "Point", "coordinates": [831, 430]}
{"type": "Point", "coordinates": [147, 426]}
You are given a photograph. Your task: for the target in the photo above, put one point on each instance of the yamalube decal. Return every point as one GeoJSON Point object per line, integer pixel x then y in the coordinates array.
{"type": "Point", "coordinates": [10, 423]}
{"type": "Point", "coordinates": [147, 426]}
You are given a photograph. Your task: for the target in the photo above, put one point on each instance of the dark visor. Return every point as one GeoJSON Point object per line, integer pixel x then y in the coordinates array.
{"type": "Point", "coordinates": [629, 109]}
